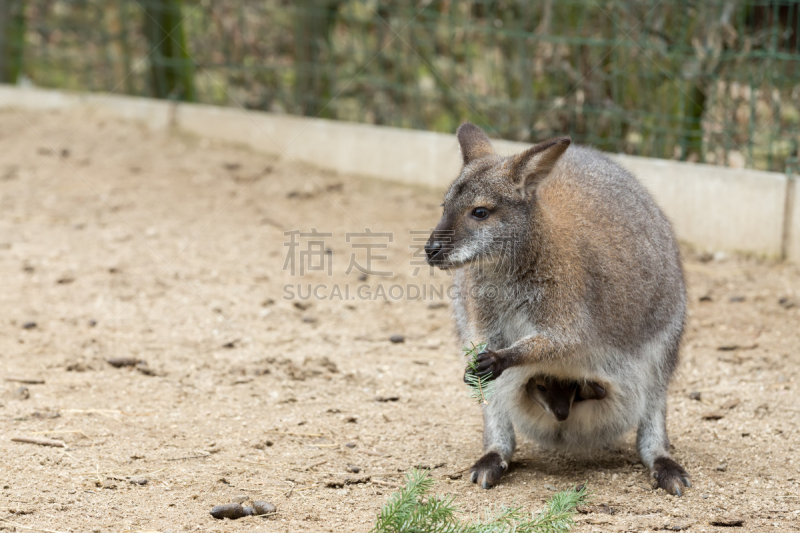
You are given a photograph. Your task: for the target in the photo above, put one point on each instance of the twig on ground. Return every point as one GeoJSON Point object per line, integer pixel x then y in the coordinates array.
{"type": "Point", "coordinates": [41, 441]}
{"type": "Point", "coordinates": [385, 483]}
{"type": "Point", "coordinates": [295, 434]}
{"type": "Point", "coordinates": [26, 381]}
{"type": "Point", "coordinates": [201, 455]}
{"type": "Point", "coordinates": [75, 431]}
{"type": "Point", "coordinates": [313, 465]}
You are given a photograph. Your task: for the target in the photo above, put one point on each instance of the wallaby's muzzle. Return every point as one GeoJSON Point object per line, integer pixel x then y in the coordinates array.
{"type": "Point", "coordinates": [438, 247]}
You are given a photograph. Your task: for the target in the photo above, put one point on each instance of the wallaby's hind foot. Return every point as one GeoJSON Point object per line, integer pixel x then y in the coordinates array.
{"type": "Point", "coordinates": [488, 470]}
{"type": "Point", "coordinates": [670, 476]}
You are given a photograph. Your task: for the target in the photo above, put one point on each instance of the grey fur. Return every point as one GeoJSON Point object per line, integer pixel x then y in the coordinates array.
{"type": "Point", "coordinates": [592, 289]}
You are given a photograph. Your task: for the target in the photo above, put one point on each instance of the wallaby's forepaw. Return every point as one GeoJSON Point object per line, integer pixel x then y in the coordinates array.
{"type": "Point", "coordinates": [670, 476]}
{"type": "Point", "coordinates": [487, 471]}
{"type": "Point", "coordinates": [489, 361]}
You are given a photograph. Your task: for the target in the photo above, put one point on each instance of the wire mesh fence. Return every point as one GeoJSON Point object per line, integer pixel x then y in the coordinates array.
{"type": "Point", "coordinates": [715, 81]}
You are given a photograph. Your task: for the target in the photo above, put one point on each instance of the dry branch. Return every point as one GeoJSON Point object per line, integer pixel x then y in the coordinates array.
{"type": "Point", "coordinates": [41, 441]}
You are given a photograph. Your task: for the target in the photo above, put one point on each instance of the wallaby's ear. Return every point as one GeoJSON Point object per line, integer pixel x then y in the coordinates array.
{"type": "Point", "coordinates": [474, 143]}
{"type": "Point", "coordinates": [534, 164]}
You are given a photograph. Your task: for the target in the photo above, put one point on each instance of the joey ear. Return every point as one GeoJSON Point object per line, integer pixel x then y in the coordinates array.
{"type": "Point", "coordinates": [534, 164]}
{"type": "Point", "coordinates": [474, 143]}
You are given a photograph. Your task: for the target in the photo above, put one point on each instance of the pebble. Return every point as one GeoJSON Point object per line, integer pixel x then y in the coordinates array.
{"type": "Point", "coordinates": [22, 393]}
{"type": "Point", "coordinates": [353, 469]}
{"type": "Point", "coordinates": [696, 395]}
{"type": "Point", "coordinates": [241, 498]}
{"type": "Point", "coordinates": [722, 468]}
{"type": "Point", "coordinates": [727, 522]}
{"type": "Point", "coordinates": [396, 339]}
{"type": "Point", "coordinates": [231, 511]}
{"type": "Point", "coordinates": [550, 487]}
{"type": "Point", "coordinates": [261, 507]}
{"type": "Point", "coordinates": [120, 362]}
{"type": "Point", "coordinates": [677, 526]}
{"type": "Point", "coordinates": [29, 325]}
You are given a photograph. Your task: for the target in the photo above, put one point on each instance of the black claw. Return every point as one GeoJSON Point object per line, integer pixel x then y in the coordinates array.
{"type": "Point", "coordinates": [670, 476]}
{"type": "Point", "coordinates": [485, 485]}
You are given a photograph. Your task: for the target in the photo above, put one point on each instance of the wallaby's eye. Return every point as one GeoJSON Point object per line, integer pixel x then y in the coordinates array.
{"type": "Point", "coordinates": [480, 213]}
{"type": "Point", "coordinates": [541, 388]}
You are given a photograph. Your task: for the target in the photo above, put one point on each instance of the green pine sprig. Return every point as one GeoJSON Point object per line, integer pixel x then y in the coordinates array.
{"type": "Point", "coordinates": [414, 510]}
{"type": "Point", "coordinates": [481, 387]}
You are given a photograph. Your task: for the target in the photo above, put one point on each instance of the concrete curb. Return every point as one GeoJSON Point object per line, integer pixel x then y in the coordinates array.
{"type": "Point", "coordinates": [713, 208]}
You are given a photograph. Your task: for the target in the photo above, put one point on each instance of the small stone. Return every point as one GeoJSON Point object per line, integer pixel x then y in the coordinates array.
{"type": "Point", "coordinates": [240, 498]}
{"type": "Point", "coordinates": [231, 511]}
{"type": "Point", "coordinates": [29, 325]}
{"type": "Point", "coordinates": [550, 487]}
{"type": "Point", "coordinates": [397, 339]}
{"type": "Point", "coordinates": [385, 399]}
{"type": "Point", "coordinates": [353, 469]}
{"type": "Point", "coordinates": [121, 362]}
{"type": "Point", "coordinates": [310, 319]}
{"type": "Point", "coordinates": [143, 368]}
{"type": "Point", "coordinates": [22, 393]}
{"type": "Point", "coordinates": [722, 468]}
{"type": "Point", "coordinates": [677, 526]}
{"type": "Point", "coordinates": [705, 298]}
{"type": "Point", "coordinates": [727, 521]}
{"type": "Point", "coordinates": [696, 395]}
{"type": "Point", "coordinates": [139, 481]}
{"type": "Point", "coordinates": [302, 305]}
{"type": "Point", "coordinates": [92, 323]}
{"type": "Point", "coordinates": [736, 299]}
{"type": "Point", "coordinates": [261, 507]}
{"type": "Point", "coordinates": [713, 415]}
{"type": "Point", "coordinates": [350, 445]}
{"type": "Point", "coordinates": [787, 303]}
{"type": "Point", "coordinates": [362, 277]}
{"type": "Point", "coordinates": [730, 404]}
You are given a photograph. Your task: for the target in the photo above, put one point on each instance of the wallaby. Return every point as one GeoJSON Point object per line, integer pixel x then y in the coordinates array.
{"type": "Point", "coordinates": [565, 267]}
{"type": "Point", "coordinates": [556, 397]}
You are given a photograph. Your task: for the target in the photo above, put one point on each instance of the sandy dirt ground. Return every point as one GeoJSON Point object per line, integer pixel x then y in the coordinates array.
{"type": "Point", "coordinates": [120, 242]}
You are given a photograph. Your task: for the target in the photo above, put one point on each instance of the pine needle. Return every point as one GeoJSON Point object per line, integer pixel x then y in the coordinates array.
{"type": "Point", "coordinates": [414, 510]}
{"type": "Point", "coordinates": [481, 387]}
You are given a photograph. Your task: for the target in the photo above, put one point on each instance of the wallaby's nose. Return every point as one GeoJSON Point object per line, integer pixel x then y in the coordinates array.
{"type": "Point", "coordinates": [432, 249]}
{"type": "Point", "coordinates": [562, 413]}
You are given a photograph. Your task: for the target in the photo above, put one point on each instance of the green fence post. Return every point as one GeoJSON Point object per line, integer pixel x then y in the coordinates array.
{"type": "Point", "coordinates": [313, 22]}
{"type": "Point", "coordinates": [12, 39]}
{"type": "Point", "coordinates": [171, 67]}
